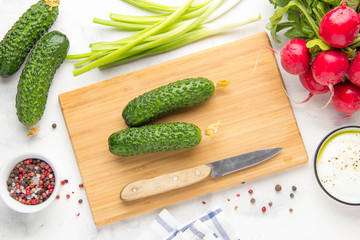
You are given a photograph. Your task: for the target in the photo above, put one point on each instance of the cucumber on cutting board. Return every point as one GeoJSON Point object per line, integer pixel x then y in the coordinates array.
{"type": "Point", "coordinates": [36, 77]}
{"type": "Point", "coordinates": [154, 138]}
{"type": "Point", "coordinates": [23, 35]}
{"type": "Point", "coordinates": [155, 103]}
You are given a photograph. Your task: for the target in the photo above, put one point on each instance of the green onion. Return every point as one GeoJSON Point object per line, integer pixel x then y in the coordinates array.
{"type": "Point", "coordinates": [153, 29]}
{"type": "Point", "coordinates": [138, 19]}
{"type": "Point", "coordinates": [151, 6]}
{"type": "Point", "coordinates": [175, 27]}
{"type": "Point", "coordinates": [193, 36]}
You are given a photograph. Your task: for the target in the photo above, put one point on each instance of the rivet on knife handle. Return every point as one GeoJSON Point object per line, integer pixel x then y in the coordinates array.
{"type": "Point", "coordinates": [164, 183]}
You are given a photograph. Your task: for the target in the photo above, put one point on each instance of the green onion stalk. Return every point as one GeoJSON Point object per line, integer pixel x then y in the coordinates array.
{"type": "Point", "coordinates": [169, 28]}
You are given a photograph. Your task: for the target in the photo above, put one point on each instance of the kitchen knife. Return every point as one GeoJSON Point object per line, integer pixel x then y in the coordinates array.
{"type": "Point", "coordinates": [164, 183]}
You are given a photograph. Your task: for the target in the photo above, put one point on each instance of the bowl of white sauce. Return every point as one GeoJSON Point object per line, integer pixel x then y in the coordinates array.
{"type": "Point", "coordinates": [337, 164]}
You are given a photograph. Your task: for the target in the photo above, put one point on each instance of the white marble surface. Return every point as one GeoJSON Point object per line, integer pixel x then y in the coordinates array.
{"type": "Point", "coordinates": [315, 215]}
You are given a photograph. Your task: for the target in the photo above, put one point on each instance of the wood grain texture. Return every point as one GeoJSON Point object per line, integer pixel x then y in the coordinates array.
{"type": "Point", "coordinates": [254, 111]}
{"type": "Point", "coordinates": [164, 183]}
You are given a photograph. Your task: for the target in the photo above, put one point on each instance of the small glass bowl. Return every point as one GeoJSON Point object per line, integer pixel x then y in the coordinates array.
{"type": "Point", "coordinates": [333, 173]}
{"type": "Point", "coordinates": [16, 205]}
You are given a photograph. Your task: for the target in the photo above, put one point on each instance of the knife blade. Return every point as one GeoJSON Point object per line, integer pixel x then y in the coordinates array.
{"type": "Point", "coordinates": [171, 181]}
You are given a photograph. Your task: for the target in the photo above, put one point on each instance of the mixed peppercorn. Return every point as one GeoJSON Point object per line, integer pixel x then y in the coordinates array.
{"type": "Point", "coordinates": [264, 208]}
{"type": "Point", "coordinates": [31, 181]}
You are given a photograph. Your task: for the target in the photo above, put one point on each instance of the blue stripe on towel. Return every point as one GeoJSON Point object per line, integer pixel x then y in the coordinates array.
{"type": "Point", "coordinates": [221, 230]}
{"type": "Point", "coordinates": [210, 215]}
{"type": "Point", "coordinates": [164, 224]}
{"type": "Point", "coordinates": [197, 232]}
{"type": "Point", "coordinates": [173, 235]}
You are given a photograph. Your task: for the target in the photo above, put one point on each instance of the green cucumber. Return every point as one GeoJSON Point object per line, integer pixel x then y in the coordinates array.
{"type": "Point", "coordinates": [162, 100]}
{"type": "Point", "coordinates": [23, 35]}
{"type": "Point", "coordinates": [39, 70]}
{"type": "Point", "coordinates": [154, 138]}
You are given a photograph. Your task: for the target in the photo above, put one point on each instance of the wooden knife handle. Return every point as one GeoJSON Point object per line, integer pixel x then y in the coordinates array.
{"type": "Point", "coordinates": [164, 183]}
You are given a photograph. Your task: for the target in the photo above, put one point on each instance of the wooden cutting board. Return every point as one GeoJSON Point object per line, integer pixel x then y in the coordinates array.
{"type": "Point", "coordinates": [254, 112]}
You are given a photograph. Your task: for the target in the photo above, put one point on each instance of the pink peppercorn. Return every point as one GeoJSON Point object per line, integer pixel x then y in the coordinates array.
{"type": "Point", "coordinates": [21, 186]}
{"type": "Point", "coordinates": [251, 191]}
{"type": "Point", "coordinates": [263, 209]}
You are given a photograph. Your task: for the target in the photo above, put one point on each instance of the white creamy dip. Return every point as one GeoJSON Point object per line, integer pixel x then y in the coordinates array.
{"type": "Point", "coordinates": [338, 165]}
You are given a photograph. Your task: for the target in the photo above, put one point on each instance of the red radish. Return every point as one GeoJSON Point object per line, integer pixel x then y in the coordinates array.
{"type": "Point", "coordinates": [329, 68]}
{"type": "Point", "coordinates": [295, 56]}
{"type": "Point", "coordinates": [340, 26]}
{"type": "Point", "coordinates": [354, 71]}
{"type": "Point", "coordinates": [309, 83]}
{"type": "Point", "coordinates": [346, 98]}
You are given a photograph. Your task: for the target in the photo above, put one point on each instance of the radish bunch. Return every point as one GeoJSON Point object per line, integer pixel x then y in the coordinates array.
{"type": "Point", "coordinates": [332, 69]}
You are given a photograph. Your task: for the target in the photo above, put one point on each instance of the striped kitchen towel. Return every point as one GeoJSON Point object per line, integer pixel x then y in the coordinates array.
{"type": "Point", "coordinates": [211, 226]}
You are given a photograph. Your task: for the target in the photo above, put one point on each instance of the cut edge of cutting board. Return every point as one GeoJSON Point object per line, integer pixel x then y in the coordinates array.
{"type": "Point", "coordinates": [255, 171]}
